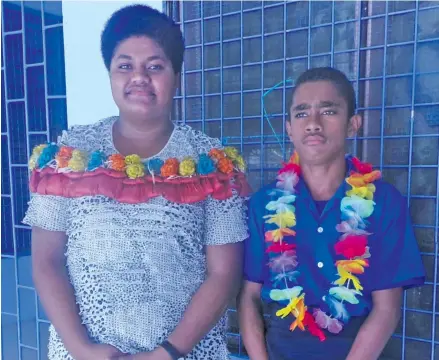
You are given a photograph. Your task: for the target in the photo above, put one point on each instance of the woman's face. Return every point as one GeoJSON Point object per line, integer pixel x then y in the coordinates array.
{"type": "Point", "coordinates": [143, 81]}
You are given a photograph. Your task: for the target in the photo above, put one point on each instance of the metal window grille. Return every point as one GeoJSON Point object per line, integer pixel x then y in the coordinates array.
{"type": "Point", "coordinates": [237, 50]}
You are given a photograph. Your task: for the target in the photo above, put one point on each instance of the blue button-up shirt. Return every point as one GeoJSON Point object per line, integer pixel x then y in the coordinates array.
{"type": "Point", "coordinates": [395, 259]}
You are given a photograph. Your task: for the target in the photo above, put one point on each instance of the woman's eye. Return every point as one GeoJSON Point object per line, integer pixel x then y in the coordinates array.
{"type": "Point", "coordinates": [124, 66]}
{"type": "Point", "coordinates": [156, 67]}
{"type": "Point", "coordinates": [329, 112]}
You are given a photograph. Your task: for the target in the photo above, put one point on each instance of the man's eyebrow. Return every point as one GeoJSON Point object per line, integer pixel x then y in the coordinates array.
{"type": "Point", "coordinates": [301, 107]}
{"type": "Point", "coordinates": [328, 103]}
{"type": "Point", "coordinates": [123, 56]}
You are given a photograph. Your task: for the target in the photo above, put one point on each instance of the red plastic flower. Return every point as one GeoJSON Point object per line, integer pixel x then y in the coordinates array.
{"type": "Point", "coordinates": [290, 167]}
{"type": "Point", "coordinates": [363, 168]}
{"type": "Point", "coordinates": [352, 246]}
{"type": "Point", "coordinates": [278, 247]}
{"type": "Point", "coordinates": [313, 328]}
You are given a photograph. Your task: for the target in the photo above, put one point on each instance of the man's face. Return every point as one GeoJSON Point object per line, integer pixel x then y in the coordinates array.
{"type": "Point", "coordinates": [319, 122]}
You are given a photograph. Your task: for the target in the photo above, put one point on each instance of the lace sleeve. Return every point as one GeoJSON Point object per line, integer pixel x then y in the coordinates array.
{"type": "Point", "coordinates": [46, 211]}
{"type": "Point", "coordinates": [225, 221]}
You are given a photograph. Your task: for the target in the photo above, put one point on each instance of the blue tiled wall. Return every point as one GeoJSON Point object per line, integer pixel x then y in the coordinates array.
{"type": "Point", "coordinates": [237, 50]}
{"type": "Point", "coordinates": [33, 112]}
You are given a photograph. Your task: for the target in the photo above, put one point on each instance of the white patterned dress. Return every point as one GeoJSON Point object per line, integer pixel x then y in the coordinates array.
{"type": "Point", "coordinates": [135, 267]}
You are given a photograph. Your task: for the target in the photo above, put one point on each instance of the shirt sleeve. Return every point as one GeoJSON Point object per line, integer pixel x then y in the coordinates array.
{"type": "Point", "coordinates": [47, 211]}
{"type": "Point", "coordinates": [254, 245]}
{"type": "Point", "coordinates": [396, 260]}
{"type": "Point", "coordinates": [225, 221]}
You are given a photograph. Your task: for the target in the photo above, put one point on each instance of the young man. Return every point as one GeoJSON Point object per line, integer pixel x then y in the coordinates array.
{"type": "Point", "coordinates": [331, 246]}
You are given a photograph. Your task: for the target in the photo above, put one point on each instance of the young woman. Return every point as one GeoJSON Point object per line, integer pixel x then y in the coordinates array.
{"type": "Point", "coordinates": [137, 223]}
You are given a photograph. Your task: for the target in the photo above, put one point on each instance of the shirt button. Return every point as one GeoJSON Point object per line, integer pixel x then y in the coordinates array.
{"type": "Point", "coordinates": [320, 230]}
{"type": "Point", "coordinates": [320, 264]}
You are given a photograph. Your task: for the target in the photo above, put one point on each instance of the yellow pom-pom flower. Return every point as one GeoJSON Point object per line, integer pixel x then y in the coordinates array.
{"type": "Point", "coordinates": [135, 170]}
{"type": "Point", "coordinates": [33, 161]}
{"type": "Point", "coordinates": [187, 167]}
{"type": "Point", "coordinates": [240, 163]}
{"type": "Point", "coordinates": [231, 152]}
{"type": "Point", "coordinates": [78, 162]}
{"type": "Point", "coordinates": [133, 159]}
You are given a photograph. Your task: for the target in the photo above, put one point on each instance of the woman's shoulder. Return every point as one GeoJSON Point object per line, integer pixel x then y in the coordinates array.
{"type": "Point", "coordinates": [197, 139]}
{"type": "Point", "coordinates": [87, 137]}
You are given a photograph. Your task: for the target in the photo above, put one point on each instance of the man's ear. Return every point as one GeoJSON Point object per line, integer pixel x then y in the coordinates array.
{"type": "Point", "coordinates": [354, 125]}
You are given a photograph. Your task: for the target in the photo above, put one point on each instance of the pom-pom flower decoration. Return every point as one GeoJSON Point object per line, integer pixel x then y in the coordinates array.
{"type": "Point", "coordinates": [68, 159]}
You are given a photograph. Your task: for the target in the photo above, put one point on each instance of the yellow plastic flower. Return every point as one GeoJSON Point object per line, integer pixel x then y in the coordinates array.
{"type": "Point", "coordinates": [345, 277]}
{"type": "Point", "coordinates": [240, 163]}
{"type": "Point", "coordinates": [78, 162]}
{"type": "Point", "coordinates": [353, 266]}
{"type": "Point", "coordinates": [291, 307]}
{"type": "Point", "coordinates": [133, 159]}
{"type": "Point", "coordinates": [187, 167]}
{"type": "Point", "coordinates": [231, 152]}
{"type": "Point", "coordinates": [135, 171]}
{"type": "Point", "coordinates": [365, 192]}
{"type": "Point", "coordinates": [283, 219]}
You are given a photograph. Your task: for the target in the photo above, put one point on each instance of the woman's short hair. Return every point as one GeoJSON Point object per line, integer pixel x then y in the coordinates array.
{"type": "Point", "coordinates": [142, 20]}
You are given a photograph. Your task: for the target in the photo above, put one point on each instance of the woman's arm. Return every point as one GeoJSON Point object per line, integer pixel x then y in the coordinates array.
{"type": "Point", "coordinates": [251, 321]}
{"type": "Point", "coordinates": [379, 325]}
{"type": "Point", "coordinates": [57, 295]}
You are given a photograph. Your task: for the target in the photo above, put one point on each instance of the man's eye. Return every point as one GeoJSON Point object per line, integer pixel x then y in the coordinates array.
{"type": "Point", "coordinates": [329, 112]}
{"type": "Point", "coordinates": [156, 67]}
{"type": "Point", "coordinates": [300, 115]}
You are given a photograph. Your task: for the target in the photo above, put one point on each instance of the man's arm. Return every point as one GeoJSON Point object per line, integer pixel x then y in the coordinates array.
{"type": "Point", "coordinates": [251, 321]}
{"type": "Point", "coordinates": [379, 325]}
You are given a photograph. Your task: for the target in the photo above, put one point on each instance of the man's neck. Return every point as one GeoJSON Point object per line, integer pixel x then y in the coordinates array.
{"type": "Point", "coordinates": [324, 180]}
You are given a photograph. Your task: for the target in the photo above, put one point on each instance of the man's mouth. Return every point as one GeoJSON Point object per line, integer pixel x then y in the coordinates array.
{"type": "Point", "coordinates": [313, 140]}
{"type": "Point", "coordinates": [140, 92]}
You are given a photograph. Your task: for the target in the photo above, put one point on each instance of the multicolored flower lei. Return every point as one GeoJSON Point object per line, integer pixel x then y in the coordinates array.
{"type": "Point", "coordinates": [68, 159]}
{"type": "Point", "coordinates": [355, 207]}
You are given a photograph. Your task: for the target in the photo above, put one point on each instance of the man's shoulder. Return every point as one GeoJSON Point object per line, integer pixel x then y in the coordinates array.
{"type": "Point", "coordinates": [387, 192]}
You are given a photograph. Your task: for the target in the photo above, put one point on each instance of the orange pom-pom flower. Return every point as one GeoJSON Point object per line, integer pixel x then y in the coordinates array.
{"type": "Point", "coordinates": [217, 154]}
{"type": "Point", "coordinates": [170, 168]}
{"type": "Point", "coordinates": [117, 162]}
{"type": "Point", "coordinates": [225, 165]}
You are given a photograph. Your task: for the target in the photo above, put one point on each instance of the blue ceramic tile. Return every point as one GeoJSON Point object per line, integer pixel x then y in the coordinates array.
{"type": "Point", "coordinates": [35, 140]}
{"type": "Point", "coordinates": [17, 132]}
{"type": "Point", "coordinates": [57, 117]}
{"type": "Point", "coordinates": [41, 313]}
{"type": "Point", "coordinates": [3, 105]}
{"type": "Point", "coordinates": [7, 229]}
{"type": "Point", "coordinates": [12, 15]}
{"type": "Point", "coordinates": [21, 192]}
{"type": "Point", "coordinates": [6, 181]}
{"type": "Point", "coordinates": [14, 66]}
{"type": "Point", "coordinates": [44, 339]}
{"type": "Point", "coordinates": [33, 30]}
{"type": "Point", "coordinates": [52, 12]}
{"type": "Point", "coordinates": [28, 318]}
{"type": "Point", "coordinates": [36, 100]}
{"type": "Point", "coordinates": [9, 295]}
{"type": "Point", "coordinates": [24, 261]}
{"type": "Point", "coordinates": [56, 81]}
{"type": "Point", "coordinates": [9, 337]}
{"type": "Point", "coordinates": [28, 354]}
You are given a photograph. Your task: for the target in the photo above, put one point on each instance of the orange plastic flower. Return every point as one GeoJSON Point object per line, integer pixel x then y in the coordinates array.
{"type": "Point", "coordinates": [360, 180]}
{"type": "Point", "coordinates": [170, 168]}
{"type": "Point", "coordinates": [278, 234]}
{"type": "Point", "coordinates": [353, 266]}
{"type": "Point", "coordinates": [294, 159]}
{"type": "Point", "coordinates": [217, 154]}
{"type": "Point", "coordinates": [117, 162]}
{"type": "Point", "coordinates": [225, 165]}
{"type": "Point", "coordinates": [299, 313]}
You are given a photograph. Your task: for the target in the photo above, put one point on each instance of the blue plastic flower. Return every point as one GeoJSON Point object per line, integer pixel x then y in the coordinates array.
{"type": "Point", "coordinates": [47, 155]}
{"type": "Point", "coordinates": [205, 165]}
{"type": "Point", "coordinates": [96, 160]}
{"type": "Point", "coordinates": [154, 166]}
